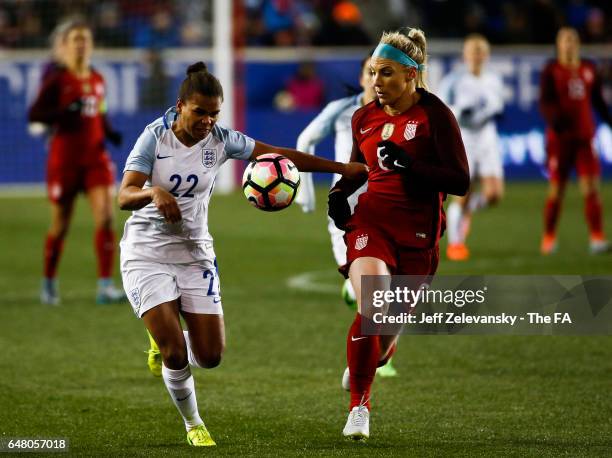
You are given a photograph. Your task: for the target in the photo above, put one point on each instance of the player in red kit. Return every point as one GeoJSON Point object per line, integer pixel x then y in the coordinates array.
{"type": "Point", "coordinates": [569, 91]}
{"type": "Point", "coordinates": [72, 102]}
{"type": "Point", "coordinates": [412, 145]}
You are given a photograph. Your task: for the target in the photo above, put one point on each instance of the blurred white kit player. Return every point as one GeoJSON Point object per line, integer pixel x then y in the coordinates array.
{"type": "Point", "coordinates": [335, 119]}
{"type": "Point", "coordinates": [475, 96]}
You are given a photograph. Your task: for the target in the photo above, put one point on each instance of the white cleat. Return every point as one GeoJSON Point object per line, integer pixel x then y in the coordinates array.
{"type": "Point", "coordinates": [358, 424]}
{"type": "Point", "coordinates": [600, 246]}
{"type": "Point", "coordinates": [346, 383]}
{"type": "Point", "coordinates": [109, 294]}
{"type": "Point", "coordinates": [48, 293]}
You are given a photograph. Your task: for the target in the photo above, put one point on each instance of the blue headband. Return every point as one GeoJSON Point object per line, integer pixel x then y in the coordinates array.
{"type": "Point", "coordinates": [386, 51]}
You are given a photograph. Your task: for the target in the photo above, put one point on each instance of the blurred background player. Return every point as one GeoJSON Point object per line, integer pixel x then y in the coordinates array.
{"type": "Point", "coordinates": [168, 262]}
{"type": "Point", "coordinates": [72, 102]}
{"type": "Point", "coordinates": [412, 145]}
{"type": "Point", "coordinates": [570, 89]}
{"type": "Point", "coordinates": [475, 96]}
{"type": "Point", "coordinates": [336, 118]}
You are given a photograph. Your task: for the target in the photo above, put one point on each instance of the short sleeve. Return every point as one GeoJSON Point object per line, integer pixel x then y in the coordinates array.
{"type": "Point", "coordinates": [237, 145]}
{"type": "Point", "coordinates": [142, 156]}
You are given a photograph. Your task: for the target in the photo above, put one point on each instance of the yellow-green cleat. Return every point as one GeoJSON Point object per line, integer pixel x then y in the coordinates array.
{"type": "Point", "coordinates": [154, 360]}
{"type": "Point", "coordinates": [200, 437]}
{"type": "Point", "coordinates": [387, 370]}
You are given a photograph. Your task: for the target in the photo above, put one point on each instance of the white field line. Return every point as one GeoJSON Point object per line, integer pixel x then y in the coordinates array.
{"type": "Point", "coordinates": [311, 281]}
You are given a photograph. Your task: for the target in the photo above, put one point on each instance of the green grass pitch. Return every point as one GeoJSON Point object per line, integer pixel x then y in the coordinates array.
{"type": "Point", "coordinates": [78, 371]}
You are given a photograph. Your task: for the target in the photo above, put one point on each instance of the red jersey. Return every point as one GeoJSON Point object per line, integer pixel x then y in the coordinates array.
{"type": "Point", "coordinates": [429, 133]}
{"type": "Point", "coordinates": [567, 98]}
{"type": "Point", "coordinates": [78, 136]}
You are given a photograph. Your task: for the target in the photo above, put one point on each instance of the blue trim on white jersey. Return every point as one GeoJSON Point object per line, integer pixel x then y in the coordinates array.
{"type": "Point", "coordinates": [142, 156]}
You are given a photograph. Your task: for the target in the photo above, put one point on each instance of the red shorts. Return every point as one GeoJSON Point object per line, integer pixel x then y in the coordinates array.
{"type": "Point", "coordinates": [376, 230]}
{"type": "Point", "coordinates": [65, 181]}
{"type": "Point", "coordinates": [562, 155]}
{"type": "Point", "coordinates": [369, 242]}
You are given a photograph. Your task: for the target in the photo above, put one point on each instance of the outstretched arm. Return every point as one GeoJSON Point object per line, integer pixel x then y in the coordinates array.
{"type": "Point", "coordinates": [309, 163]}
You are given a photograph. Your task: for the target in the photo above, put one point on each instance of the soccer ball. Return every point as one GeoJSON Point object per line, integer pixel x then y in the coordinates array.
{"type": "Point", "coordinates": [271, 182]}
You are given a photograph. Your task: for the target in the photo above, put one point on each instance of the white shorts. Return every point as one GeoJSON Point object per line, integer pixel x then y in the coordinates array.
{"type": "Point", "coordinates": [484, 158]}
{"type": "Point", "coordinates": [337, 235]}
{"type": "Point", "coordinates": [149, 284]}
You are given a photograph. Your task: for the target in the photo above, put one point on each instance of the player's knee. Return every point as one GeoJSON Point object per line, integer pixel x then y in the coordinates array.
{"type": "Point", "coordinates": [59, 229]}
{"type": "Point", "coordinates": [105, 222]}
{"type": "Point", "coordinates": [209, 358]}
{"type": "Point", "coordinates": [494, 197]}
{"type": "Point", "coordinates": [174, 355]}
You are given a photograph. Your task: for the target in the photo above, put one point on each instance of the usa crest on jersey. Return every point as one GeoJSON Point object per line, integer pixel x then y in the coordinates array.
{"type": "Point", "coordinates": [361, 242]}
{"type": "Point", "coordinates": [209, 157]}
{"type": "Point", "coordinates": [410, 130]}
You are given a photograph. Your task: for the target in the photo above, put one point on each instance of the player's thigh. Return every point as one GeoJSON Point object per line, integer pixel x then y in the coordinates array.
{"type": "Point", "coordinates": [164, 324]}
{"type": "Point", "coordinates": [492, 187]}
{"type": "Point", "coordinates": [101, 202]}
{"type": "Point", "coordinates": [371, 273]}
{"type": "Point", "coordinates": [492, 175]}
{"type": "Point", "coordinates": [99, 184]}
{"type": "Point", "coordinates": [148, 284]}
{"type": "Point", "coordinates": [560, 159]}
{"type": "Point", "coordinates": [207, 337]}
{"type": "Point", "coordinates": [588, 167]}
{"type": "Point", "coordinates": [61, 214]}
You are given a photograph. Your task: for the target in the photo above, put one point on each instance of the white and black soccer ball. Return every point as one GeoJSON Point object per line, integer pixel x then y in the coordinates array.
{"type": "Point", "coordinates": [271, 182]}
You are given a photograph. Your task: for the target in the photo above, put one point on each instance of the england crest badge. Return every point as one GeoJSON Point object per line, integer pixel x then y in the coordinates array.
{"type": "Point", "coordinates": [209, 157]}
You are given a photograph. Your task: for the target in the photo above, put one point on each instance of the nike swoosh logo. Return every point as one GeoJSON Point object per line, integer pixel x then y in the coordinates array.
{"type": "Point", "coordinates": [363, 131]}
{"type": "Point", "coordinates": [353, 339]}
{"type": "Point", "coordinates": [182, 399]}
{"type": "Point", "coordinates": [216, 300]}
{"type": "Point", "coordinates": [162, 157]}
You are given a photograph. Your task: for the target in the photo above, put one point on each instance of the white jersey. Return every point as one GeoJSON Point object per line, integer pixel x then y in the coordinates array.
{"type": "Point", "coordinates": [189, 174]}
{"type": "Point", "coordinates": [481, 96]}
{"type": "Point", "coordinates": [335, 118]}
{"type": "Point", "coordinates": [476, 101]}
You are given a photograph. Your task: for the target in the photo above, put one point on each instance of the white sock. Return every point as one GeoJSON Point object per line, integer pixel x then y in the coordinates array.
{"type": "Point", "coordinates": [350, 291]}
{"type": "Point", "coordinates": [181, 387]}
{"type": "Point", "coordinates": [190, 356]}
{"type": "Point", "coordinates": [453, 222]}
{"type": "Point", "coordinates": [477, 202]}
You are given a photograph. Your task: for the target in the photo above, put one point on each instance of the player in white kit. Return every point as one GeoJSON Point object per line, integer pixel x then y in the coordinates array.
{"type": "Point", "coordinates": [336, 119]}
{"type": "Point", "coordinates": [168, 260]}
{"type": "Point", "coordinates": [475, 95]}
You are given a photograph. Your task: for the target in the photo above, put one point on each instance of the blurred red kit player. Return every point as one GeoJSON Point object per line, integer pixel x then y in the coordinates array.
{"type": "Point", "coordinates": [72, 102]}
{"type": "Point", "coordinates": [569, 91]}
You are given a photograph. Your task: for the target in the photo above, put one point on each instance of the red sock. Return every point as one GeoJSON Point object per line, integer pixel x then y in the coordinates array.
{"type": "Point", "coordinates": [52, 253]}
{"type": "Point", "coordinates": [593, 215]}
{"type": "Point", "coordinates": [386, 359]}
{"type": "Point", "coordinates": [551, 215]}
{"type": "Point", "coordinates": [105, 250]}
{"type": "Point", "coordinates": [362, 354]}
